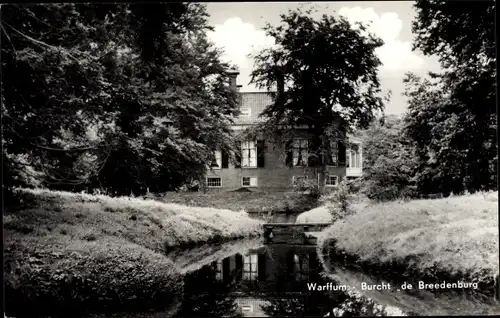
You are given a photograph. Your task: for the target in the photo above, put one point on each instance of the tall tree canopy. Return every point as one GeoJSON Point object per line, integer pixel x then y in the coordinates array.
{"type": "Point", "coordinates": [328, 71]}
{"type": "Point", "coordinates": [119, 96]}
{"type": "Point", "coordinates": [452, 115]}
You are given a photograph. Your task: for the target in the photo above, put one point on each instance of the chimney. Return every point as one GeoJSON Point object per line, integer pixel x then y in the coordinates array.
{"type": "Point", "coordinates": [232, 76]}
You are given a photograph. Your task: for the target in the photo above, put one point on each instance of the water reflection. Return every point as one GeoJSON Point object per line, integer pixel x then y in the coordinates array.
{"type": "Point", "coordinates": [205, 294]}
{"type": "Point", "coordinates": [269, 281]}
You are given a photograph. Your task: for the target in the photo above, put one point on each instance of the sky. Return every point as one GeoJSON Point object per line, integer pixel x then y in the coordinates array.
{"type": "Point", "coordinates": [238, 31]}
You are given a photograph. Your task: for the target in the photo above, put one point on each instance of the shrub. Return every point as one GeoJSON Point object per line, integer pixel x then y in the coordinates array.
{"type": "Point", "coordinates": [355, 185]}
{"type": "Point", "coordinates": [337, 201]}
{"type": "Point", "coordinates": [379, 191]}
{"type": "Point", "coordinates": [100, 278]}
{"type": "Point", "coordinates": [299, 202]}
{"type": "Point", "coordinates": [308, 187]}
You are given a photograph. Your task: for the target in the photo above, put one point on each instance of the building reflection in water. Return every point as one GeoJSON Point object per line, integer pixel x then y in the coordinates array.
{"type": "Point", "coordinates": [250, 266]}
{"type": "Point", "coordinates": [269, 281]}
{"type": "Point", "coordinates": [274, 278]}
{"type": "Point", "coordinates": [269, 266]}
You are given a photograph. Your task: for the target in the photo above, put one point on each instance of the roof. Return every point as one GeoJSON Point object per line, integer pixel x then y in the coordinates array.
{"type": "Point", "coordinates": [256, 102]}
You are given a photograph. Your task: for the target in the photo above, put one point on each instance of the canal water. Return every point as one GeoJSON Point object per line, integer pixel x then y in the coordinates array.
{"type": "Point", "coordinates": [267, 281]}
{"type": "Point", "coordinates": [250, 279]}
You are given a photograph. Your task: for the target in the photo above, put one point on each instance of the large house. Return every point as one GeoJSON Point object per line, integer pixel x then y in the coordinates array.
{"type": "Point", "coordinates": [270, 169]}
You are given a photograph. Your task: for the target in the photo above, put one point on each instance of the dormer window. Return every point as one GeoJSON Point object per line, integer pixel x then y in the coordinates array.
{"type": "Point", "coordinates": [245, 112]}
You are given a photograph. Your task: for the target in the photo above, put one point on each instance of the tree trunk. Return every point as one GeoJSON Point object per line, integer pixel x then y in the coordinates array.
{"type": "Point", "coordinates": [322, 178]}
{"type": "Point", "coordinates": [324, 164]}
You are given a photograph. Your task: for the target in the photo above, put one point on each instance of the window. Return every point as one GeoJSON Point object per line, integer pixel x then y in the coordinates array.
{"type": "Point", "coordinates": [247, 308]}
{"type": "Point", "coordinates": [250, 267]}
{"type": "Point", "coordinates": [300, 152]}
{"type": "Point", "coordinates": [249, 154]}
{"type": "Point", "coordinates": [217, 162]}
{"type": "Point", "coordinates": [214, 182]}
{"type": "Point", "coordinates": [333, 158]}
{"type": "Point", "coordinates": [218, 269]}
{"type": "Point", "coordinates": [249, 181]}
{"type": "Point", "coordinates": [301, 263]}
{"type": "Point", "coordinates": [297, 180]}
{"type": "Point", "coordinates": [245, 112]}
{"type": "Point", "coordinates": [331, 181]}
{"type": "Point", "coordinates": [354, 157]}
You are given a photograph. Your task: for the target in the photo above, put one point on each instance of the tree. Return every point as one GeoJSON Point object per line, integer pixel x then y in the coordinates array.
{"type": "Point", "coordinates": [184, 105]}
{"type": "Point", "coordinates": [388, 161]}
{"type": "Point", "coordinates": [454, 127]}
{"type": "Point", "coordinates": [325, 72]}
{"type": "Point", "coordinates": [51, 93]}
{"type": "Point", "coordinates": [122, 97]}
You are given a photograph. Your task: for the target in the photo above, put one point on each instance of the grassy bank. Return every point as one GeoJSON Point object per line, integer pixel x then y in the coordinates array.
{"type": "Point", "coordinates": [450, 238]}
{"type": "Point", "coordinates": [255, 201]}
{"type": "Point", "coordinates": [322, 214]}
{"type": "Point", "coordinates": [78, 253]}
{"type": "Point", "coordinates": [415, 302]}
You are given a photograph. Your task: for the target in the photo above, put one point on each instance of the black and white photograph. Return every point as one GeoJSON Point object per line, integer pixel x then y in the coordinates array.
{"type": "Point", "coordinates": [250, 159]}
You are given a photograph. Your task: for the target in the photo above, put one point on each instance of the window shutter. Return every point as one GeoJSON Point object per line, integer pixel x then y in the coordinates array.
{"type": "Point", "coordinates": [290, 261]}
{"type": "Point", "coordinates": [226, 270]}
{"type": "Point", "coordinates": [289, 154]}
{"type": "Point", "coordinates": [260, 153]}
{"type": "Point", "coordinates": [341, 153]}
{"type": "Point", "coordinates": [237, 158]}
{"type": "Point", "coordinates": [262, 266]}
{"type": "Point", "coordinates": [225, 159]}
{"type": "Point", "coordinates": [313, 262]}
{"type": "Point", "coordinates": [239, 267]}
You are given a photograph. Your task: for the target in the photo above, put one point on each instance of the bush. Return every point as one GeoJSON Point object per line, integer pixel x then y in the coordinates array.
{"type": "Point", "coordinates": [305, 196]}
{"type": "Point", "coordinates": [355, 185]}
{"type": "Point", "coordinates": [338, 200]}
{"type": "Point", "coordinates": [299, 202]}
{"type": "Point", "coordinates": [308, 187]}
{"type": "Point", "coordinates": [383, 192]}
{"type": "Point", "coordinates": [100, 278]}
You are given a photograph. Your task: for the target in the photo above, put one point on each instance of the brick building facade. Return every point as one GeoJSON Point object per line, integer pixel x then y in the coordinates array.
{"type": "Point", "coordinates": [267, 167]}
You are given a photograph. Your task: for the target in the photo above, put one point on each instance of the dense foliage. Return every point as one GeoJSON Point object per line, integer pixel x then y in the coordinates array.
{"type": "Point", "coordinates": [120, 97]}
{"type": "Point", "coordinates": [446, 142]}
{"type": "Point", "coordinates": [452, 115]}
{"type": "Point", "coordinates": [338, 202]}
{"type": "Point", "coordinates": [106, 278]}
{"type": "Point", "coordinates": [325, 71]}
{"type": "Point", "coordinates": [388, 161]}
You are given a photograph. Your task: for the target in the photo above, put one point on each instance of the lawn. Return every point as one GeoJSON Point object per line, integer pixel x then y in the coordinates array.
{"type": "Point", "coordinates": [84, 253]}
{"type": "Point", "coordinates": [455, 235]}
{"type": "Point", "coordinates": [256, 201]}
